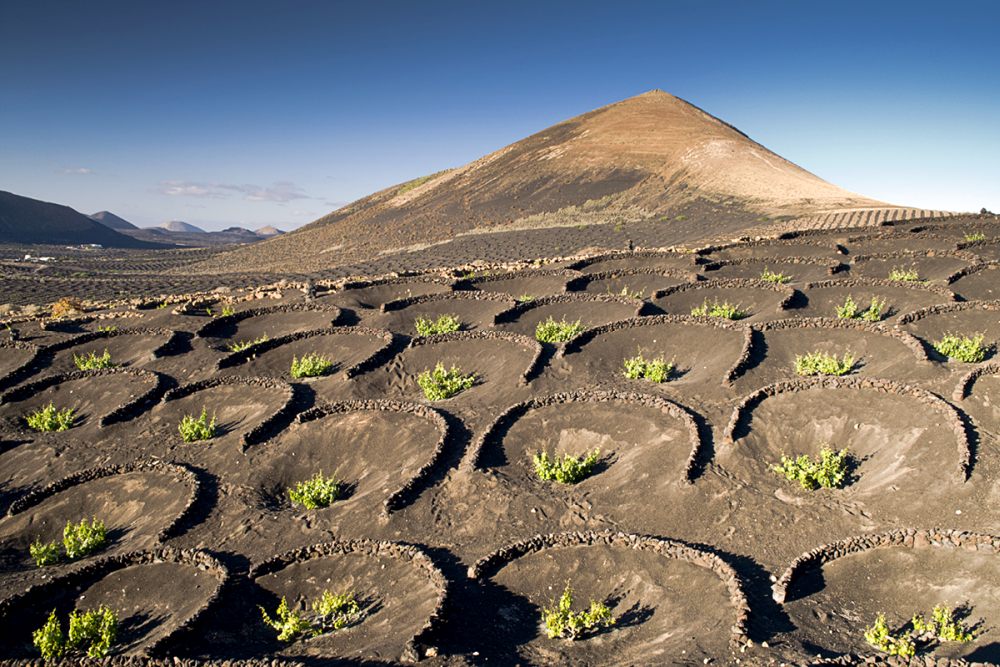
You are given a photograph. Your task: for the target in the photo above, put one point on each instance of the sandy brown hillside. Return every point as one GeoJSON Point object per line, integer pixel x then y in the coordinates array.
{"type": "Point", "coordinates": [649, 156]}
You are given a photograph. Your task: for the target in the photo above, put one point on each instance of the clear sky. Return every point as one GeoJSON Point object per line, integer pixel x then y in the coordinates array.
{"type": "Point", "coordinates": [252, 113]}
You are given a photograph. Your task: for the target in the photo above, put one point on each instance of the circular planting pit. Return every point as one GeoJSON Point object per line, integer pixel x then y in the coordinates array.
{"type": "Point", "coordinates": [906, 446]}
{"type": "Point", "coordinates": [756, 299]}
{"type": "Point", "coordinates": [967, 318]}
{"type": "Point", "coordinates": [979, 283]}
{"type": "Point", "coordinates": [154, 593]}
{"type": "Point", "coordinates": [500, 360]}
{"type": "Point", "coordinates": [16, 361]}
{"type": "Point", "coordinates": [630, 282]}
{"type": "Point", "coordinates": [521, 283]}
{"type": "Point", "coordinates": [373, 293]}
{"type": "Point", "coordinates": [878, 351]}
{"type": "Point", "coordinates": [927, 266]}
{"type": "Point", "coordinates": [702, 350]}
{"type": "Point", "coordinates": [140, 505]}
{"type": "Point", "coordinates": [978, 390]}
{"type": "Point", "coordinates": [266, 323]}
{"type": "Point", "coordinates": [986, 251]}
{"type": "Point", "coordinates": [648, 445]}
{"type": "Point", "coordinates": [97, 398]}
{"type": "Point", "coordinates": [380, 451]}
{"type": "Point", "coordinates": [824, 297]}
{"type": "Point", "coordinates": [352, 350]}
{"type": "Point", "coordinates": [398, 588]}
{"type": "Point", "coordinates": [821, 251]}
{"type": "Point", "coordinates": [832, 600]}
{"type": "Point", "coordinates": [249, 409]}
{"type": "Point", "coordinates": [475, 310]}
{"type": "Point", "coordinates": [133, 347]}
{"type": "Point", "coordinates": [798, 271]}
{"type": "Point", "coordinates": [636, 260]}
{"type": "Point", "coordinates": [672, 604]}
{"type": "Point", "coordinates": [894, 242]}
{"type": "Point", "coordinates": [590, 309]}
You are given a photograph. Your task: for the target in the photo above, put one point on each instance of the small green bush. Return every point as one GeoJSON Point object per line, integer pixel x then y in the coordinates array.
{"type": "Point", "coordinates": [241, 345]}
{"type": "Point", "coordinates": [724, 310]}
{"type": "Point", "coordinates": [551, 331]}
{"type": "Point", "coordinates": [107, 328]}
{"type": "Point", "coordinates": [439, 384]}
{"type": "Point", "coordinates": [336, 611]}
{"type": "Point", "coordinates": [443, 324]}
{"type": "Point", "coordinates": [289, 623]}
{"type": "Point", "coordinates": [851, 311]}
{"type": "Point", "coordinates": [655, 370]}
{"type": "Point", "coordinates": [904, 275]}
{"type": "Point", "coordinates": [317, 492]}
{"type": "Point", "coordinates": [829, 472]}
{"type": "Point", "coordinates": [565, 469]}
{"type": "Point", "coordinates": [821, 363]}
{"type": "Point", "coordinates": [525, 298]}
{"type": "Point", "coordinates": [966, 349]}
{"type": "Point", "coordinates": [93, 361]}
{"type": "Point", "coordinates": [769, 276]}
{"type": "Point", "coordinates": [50, 419]}
{"type": "Point", "coordinates": [879, 636]}
{"type": "Point", "coordinates": [194, 429]}
{"type": "Point", "coordinates": [561, 622]}
{"type": "Point", "coordinates": [91, 633]}
{"type": "Point", "coordinates": [636, 295]}
{"type": "Point", "coordinates": [82, 539]}
{"type": "Point", "coordinates": [943, 626]}
{"type": "Point", "coordinates": [975, 236]}
{"type": "Point", "coordinates": [311, 365]}
{"type": "Point", "coordinates": [44, 553]}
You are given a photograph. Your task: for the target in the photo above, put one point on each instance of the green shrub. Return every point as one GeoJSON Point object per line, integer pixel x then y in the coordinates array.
{"type": "Point", "coordinates": [975, 236]}
{"type": "Point", "coordinates": [50, 419]}
{"type": "Point", "coordinates": [962, 348]}
{"type": "Point", "coordinates": [851, 311]}
{"type": "Point", "coordinates": [561, 622]}
{"type": "Point", "coordinates": [903, 275]}
{"type": "Point", "coordinates": [289, 623]}
{"type": "Point", "coordinates": [943, 626]}
{"type": "Point", "coordinates": [637, 295]}
{"type": "Point", "coordinates": [525, 298]}
{"type": "Point", "coordinates": [311, 365]}
{"type": "Point", "coordinates": [193, 429]}
{"type": "Point", "coordinates": [439, 384]}
{"type": "Point", "coordinates": [315, 493]}
{"type": "Point", "coordinates": [769, 276]}
{"type": "Point", "coordinates": [821, 363]}
{"type": "Point", "coordinates": [336, 611]}
{"type": "Point", "coordinates": [551, 331]}
{"type": "Point", "coordinates": [91, 633]}
{"type": "Point", "coordinates": [443, 324]}
{"type": "Point", "coordinates": [724, 310]}
{"type": "Point", "coordinates": [241, 345]}
{"type": "Point", "coordinates": [44, 553]}
{"type": "Point", "coordinates": [829, 472]}
{"type": "Point", "coordinates": [92, 361]}
{"type": "Point", "coordinates": [881, 638]}
{"type": "Point", "coordinates": [227, 311]}
{"type": "Point", "coordinates": [565, 469]}
{"type": "Point", "coordinates": [49, 639]}
{"type": "Point", "coordinates": [655, 370]}
{"type": "Point", "coordinates": [82, 539]}
{"type": "Point", "coordinates": [107, 328]}
{"type": "Point", "coordinates": [330, 612]}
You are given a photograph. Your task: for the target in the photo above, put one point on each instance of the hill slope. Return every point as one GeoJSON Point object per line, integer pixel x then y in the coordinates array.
{"type": "Point", "coordinates": [179, 226]}
{"type": "Point", "coordinates": [109, 219]}
{"type": "Point", "coordinates": [26, 220]}
{"type": "Point", "coordinates": [648, 156]}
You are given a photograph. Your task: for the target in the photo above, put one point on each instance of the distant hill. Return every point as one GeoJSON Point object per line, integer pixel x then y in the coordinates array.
{"type": "Point", "coordinates": [109, 219]}
{"type": "Point", "coordinates": [178, 226]}
{"type": "Point", "coordinates": [268, 230]}
{"type": "Point", "coordinates": [650, 157]}
{"type": "Point", "coordinates": [26, 220]}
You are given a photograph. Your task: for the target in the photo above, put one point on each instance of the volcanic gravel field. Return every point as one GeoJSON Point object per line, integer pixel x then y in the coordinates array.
{"type": "Point", "coordinates": [450, 542]}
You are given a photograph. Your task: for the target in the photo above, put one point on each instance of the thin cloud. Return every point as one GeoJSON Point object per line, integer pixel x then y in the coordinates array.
{"type": "Point", "coordinates": [280, 192]}
{"type": "Point", "coordinates": [79, 171]}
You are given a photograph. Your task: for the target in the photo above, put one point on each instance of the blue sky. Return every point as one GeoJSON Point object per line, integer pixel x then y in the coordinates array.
{"type": "Point", "coordinates": [253, 113]}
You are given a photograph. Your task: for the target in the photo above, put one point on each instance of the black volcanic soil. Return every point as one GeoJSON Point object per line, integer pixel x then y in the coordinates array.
{"type": "Point", "coordinates": [459, 504]}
